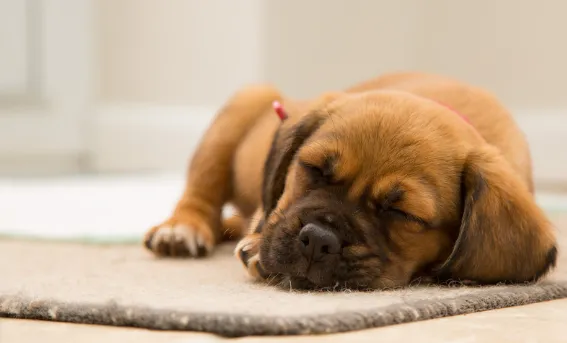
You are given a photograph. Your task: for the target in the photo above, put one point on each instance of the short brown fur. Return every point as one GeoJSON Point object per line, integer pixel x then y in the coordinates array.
{"type": "Point", "coordinates": [391, 166]}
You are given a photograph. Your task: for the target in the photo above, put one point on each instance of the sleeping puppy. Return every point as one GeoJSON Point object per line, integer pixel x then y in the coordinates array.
{"type": "Point", "coordinates": [405, 176]}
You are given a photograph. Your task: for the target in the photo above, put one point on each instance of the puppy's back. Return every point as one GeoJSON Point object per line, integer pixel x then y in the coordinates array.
{"type": "Point", "coordinates": [490, 118]}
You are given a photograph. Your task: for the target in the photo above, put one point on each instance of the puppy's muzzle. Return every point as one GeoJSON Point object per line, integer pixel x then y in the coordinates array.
{"type": "Point", "coordinates": [318, 242]}
{"type": "Point", "coordinates": [321, 248]}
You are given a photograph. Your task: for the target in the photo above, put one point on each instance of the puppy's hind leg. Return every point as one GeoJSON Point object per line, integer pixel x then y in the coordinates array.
{"type": "Point", "coordinates": [194, 227]}
{"type": "Point", "coordinates": [233, 227]}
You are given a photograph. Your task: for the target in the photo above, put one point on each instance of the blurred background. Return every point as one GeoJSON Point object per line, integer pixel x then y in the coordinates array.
{"type": "Point", "coordinates": [102, 102]}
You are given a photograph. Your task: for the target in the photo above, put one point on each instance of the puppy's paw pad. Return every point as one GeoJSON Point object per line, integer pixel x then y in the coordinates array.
{"type": "Point", "coordinates": [247, 247]}
{"type": "Point", "coordinates": [247, 251]}
{"type": "Point", "coordinates": [179, 241]}
{"type": "Point", "coordinates": [255, 269]}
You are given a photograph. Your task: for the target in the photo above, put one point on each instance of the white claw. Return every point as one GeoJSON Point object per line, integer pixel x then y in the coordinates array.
{"type": "Point", "coordinates": [188, 236]}
{"type": "Point", "coordinates": [162, 234]}
{"type": "Point", "coordinates": [202, 243]}
{"type": "Point", "coordinates": [243, 245]}
{"type": "Point", "coordinates": [181, 233]}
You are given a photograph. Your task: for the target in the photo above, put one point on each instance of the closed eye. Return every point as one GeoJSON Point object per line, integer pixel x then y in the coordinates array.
{"type": "Point", "coordinates": [313, 169]}
{"type": "Point", "coordinates": [395, 212]}
{"type": "Point", "coordinates": [317, 174]}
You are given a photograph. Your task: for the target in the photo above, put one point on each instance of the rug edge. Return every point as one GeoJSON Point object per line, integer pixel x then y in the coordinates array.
{"type": "Point", "coordinates": [238, 325]}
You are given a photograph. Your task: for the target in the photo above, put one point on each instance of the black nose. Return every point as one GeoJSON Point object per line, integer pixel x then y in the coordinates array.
{"type": "Point", "coordinates": [317, 242]}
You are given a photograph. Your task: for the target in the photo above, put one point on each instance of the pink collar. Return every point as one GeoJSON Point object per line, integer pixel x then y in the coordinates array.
{"type": "Point", "coordinates": [464, 117]}
{"type": "Point", "coordinates": [278, 108]}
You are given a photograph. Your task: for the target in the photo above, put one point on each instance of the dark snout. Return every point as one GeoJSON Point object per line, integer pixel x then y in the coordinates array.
{"type": "Point", "coordinates": [321, 248]}
{"type": "Point", "coordinates": [316, 242]}
{"type": "Point", "coordinates": [307, 244]}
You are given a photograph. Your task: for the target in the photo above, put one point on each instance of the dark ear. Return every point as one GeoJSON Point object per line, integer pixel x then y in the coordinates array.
{"type": "Point", "coordinates": [504, 236]}
{"type": "Point", "coordinates": [291, 135]}
{"type": "Point", "coordinates": [287, 140]}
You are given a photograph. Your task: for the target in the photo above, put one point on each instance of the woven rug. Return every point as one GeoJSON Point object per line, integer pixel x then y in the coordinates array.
{"type": "Point", "coordinates": [123, 285]}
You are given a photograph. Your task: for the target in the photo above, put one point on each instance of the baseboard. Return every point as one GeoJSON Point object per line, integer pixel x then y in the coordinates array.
{"type": "Point", "coordinates": [546, 132]}
{"type": "Point", "coordinates": [134, 138]}
{"type": "Point", "coordinates": [40, 165]}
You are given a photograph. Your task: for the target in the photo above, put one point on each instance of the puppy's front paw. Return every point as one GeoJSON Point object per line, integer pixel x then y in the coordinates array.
{"type": "Point", "coordinates": [247, 251]}
{"type": "Point", "coordinates": [180, 238]}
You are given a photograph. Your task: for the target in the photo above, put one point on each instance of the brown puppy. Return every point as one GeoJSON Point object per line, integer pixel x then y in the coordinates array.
{"type": "Point", "coordinates": [408, 175]}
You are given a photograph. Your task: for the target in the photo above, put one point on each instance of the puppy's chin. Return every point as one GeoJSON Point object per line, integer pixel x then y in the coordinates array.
{"type": "Point", "coordinates": [282, 260]}
{"type": "Point", "coordinates": [297, 283]}
{"type": "Point", "coordinates": [279, 248]}
{"type": "Point", "coordinates": [346, 263]}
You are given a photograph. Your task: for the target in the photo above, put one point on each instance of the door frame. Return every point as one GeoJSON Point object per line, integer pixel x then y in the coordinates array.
{"type": "Point", "coordinates": [42, 127]}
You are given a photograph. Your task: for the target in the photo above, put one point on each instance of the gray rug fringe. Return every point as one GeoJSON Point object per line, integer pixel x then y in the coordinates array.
{"type": "Point", "coordinates": [239, 325]}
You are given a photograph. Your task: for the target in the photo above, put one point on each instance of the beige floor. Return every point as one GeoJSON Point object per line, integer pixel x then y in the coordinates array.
{"type": "Point", "coordinates": [542, 322]}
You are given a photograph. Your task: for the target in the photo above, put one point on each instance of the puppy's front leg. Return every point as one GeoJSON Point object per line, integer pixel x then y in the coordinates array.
{"type": "Point", "coordinates": [194, 227]}
{"type": "Point", "coordinates": [248, 249]}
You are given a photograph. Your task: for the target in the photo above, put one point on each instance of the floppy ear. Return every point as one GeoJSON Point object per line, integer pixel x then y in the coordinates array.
{"type": "Point", "coordinates": [287, 140]}
{"type": "Point", "coordinates": [504, 236]}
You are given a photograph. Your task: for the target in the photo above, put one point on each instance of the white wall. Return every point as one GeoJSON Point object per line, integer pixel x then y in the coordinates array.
{"type": "Point", "coordinates": [178, 52]}
{"type": "Point", "coordinates": [46, 65]}
{"type": "Point", "coordinates": [166, 66]}
{"type": "Point", "coordinates": [193, 52]}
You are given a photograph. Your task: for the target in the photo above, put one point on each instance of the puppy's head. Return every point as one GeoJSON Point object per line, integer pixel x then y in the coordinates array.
{"type": "Point", "coordinates": [373, 190]}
